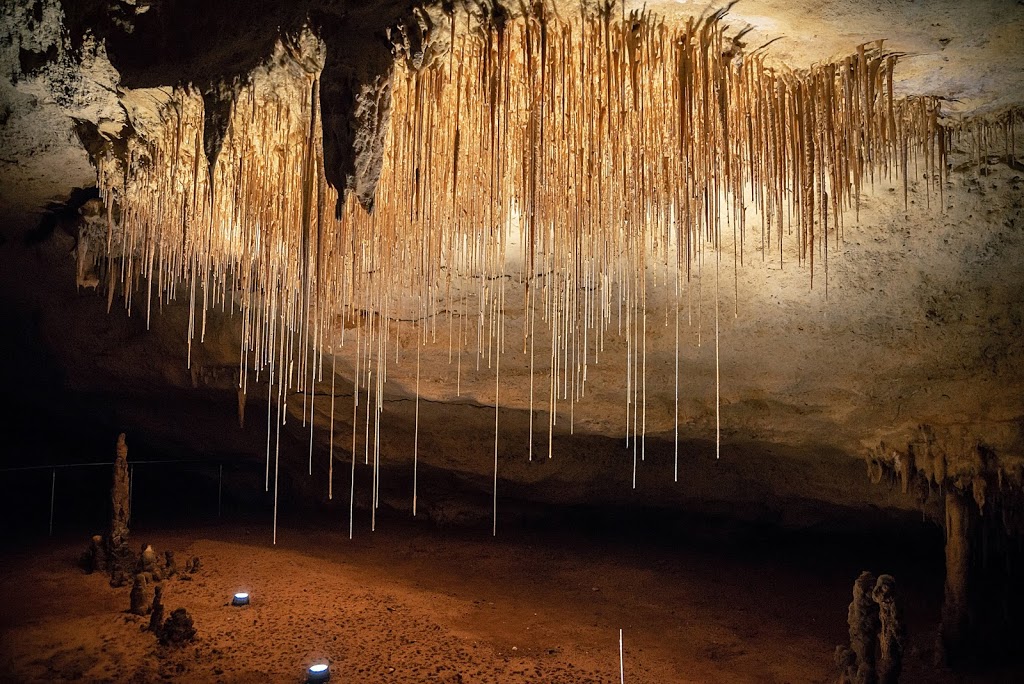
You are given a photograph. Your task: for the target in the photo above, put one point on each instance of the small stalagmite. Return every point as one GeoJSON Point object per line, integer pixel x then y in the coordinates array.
{"type": "Point", "coordinates": [96, 559]}
{"type": "Point", "coordinates": [170, 564]}
{"type": "Point", "coordinates": [156, 618]}
{"type": "Point", "coordinates": [142, 594]}
{"type": "Point", "coordinates": [147, 561]}
{"type": "Point", "coordinates": [178, 629]}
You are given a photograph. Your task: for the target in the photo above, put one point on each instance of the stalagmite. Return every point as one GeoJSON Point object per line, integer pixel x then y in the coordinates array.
{"type": "Point", "coordinates": [156, 617]}
{"type": "Point", "coordinates": [142, 594]}
{"type": "Point", "coordinates": [178, 629]}
{"type": "Point", "coordinates": [858, 662]}
{"type": "Point", "coordinates": [891, 634]}
{"type": "Point", "coordinates": [622, 662]}
{"type": "Point", "coordinates": [120, 496]}
{"type": "Point", "coordinates": [170, 568]}
{"type": "Point", "coordinates": [147, 559]}
{"type": "Point", "coordinates": [95, 558]}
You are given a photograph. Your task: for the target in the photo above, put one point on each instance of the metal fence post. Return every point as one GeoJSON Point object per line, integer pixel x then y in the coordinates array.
{"type": "Point", "coordinates": [53, 492]}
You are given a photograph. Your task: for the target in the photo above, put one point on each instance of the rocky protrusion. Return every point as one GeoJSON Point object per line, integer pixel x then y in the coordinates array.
{"type": "Point", "coordinates": [170, 565]}
{"type": "Point", "coordinates": [857, 663]}
{"type": "Point", "coordinates": [891, 632]}
{"type": "Point", "coordinates": [973, 486]}
{"type": "Point", "coordinates": [142, 594]}
{"type": "Point", "coordinates": [178, 630]}
{"type": "Point", "coordinates": [355, 112]}
{"type": "Point", "coordinates": [120, 495]}
{"type": "Point", "coordinates": [123, 564]}
{"type": "Point", "coordinates": [877, 633]}
{"type": "Point", "coordinates": [95, 558]}
{"type": "Point", "coordinates": [360, 125]}
{"type": "Point", "coordinates": [147, 559]}
{"type": "Point", "coordinates": [92, 225]}
{"type": "Point", "coordinates": [156, 618]}
{"type": "Point", "coordinates": [218, 102]}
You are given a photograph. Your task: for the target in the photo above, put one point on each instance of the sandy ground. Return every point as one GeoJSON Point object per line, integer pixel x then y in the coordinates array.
{"type": "Point", "coordinates": [415, 604]}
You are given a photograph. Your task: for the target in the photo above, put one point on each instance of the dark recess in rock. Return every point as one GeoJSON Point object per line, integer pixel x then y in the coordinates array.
{"type": "Point", "coordinates": [212, 45]}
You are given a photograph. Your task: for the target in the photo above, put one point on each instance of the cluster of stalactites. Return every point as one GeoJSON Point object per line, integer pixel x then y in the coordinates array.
{"type": "Point", "coordinates": [565, 156]}
{"type": "Point", "coordinates": [938, 460]}
{"type": "Point", "coordinates": [991, 137]}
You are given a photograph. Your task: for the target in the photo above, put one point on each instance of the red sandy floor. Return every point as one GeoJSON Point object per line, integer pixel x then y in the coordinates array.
{"type": "Point", "coordinates": [414, 604]}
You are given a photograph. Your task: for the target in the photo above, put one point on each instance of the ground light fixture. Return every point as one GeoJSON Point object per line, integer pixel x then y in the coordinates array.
{"type": "Point", "coordinates": [318, 672]}
{"type": "Point", "coordinates": [240, 598]}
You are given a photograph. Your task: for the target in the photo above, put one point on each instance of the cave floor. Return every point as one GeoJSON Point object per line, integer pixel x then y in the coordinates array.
{"type": "Point", "coordinates": [409, 603]}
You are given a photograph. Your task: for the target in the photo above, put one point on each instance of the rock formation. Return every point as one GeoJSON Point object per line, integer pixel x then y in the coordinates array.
{"type": "Point", "coordinates": [813, 427]}
{"type": "Point", "coordinates": [891, 631]}
{"type": "Point", "coordinates": [120, 496]}
{"type": "Point", "coordinates": [877, 633]}
{"type": "Point", "coordinates": [95, 558]}
{"type": "Point", "coordinates": [857, 663]}
{"type": "Point", "coordinates": [156, 617]}
{"type": "Point", "coordinates": [178, 629]}
{"type": "Point", "coordinates": [122, 565]}
{"type": "Point", "coordinates": [142, 594]}
{"type": "Point", "coordinates": [170, 568]}
{"type": "Point", "coordinates": [974, 489]}
{"type": "Point", "coordinates": [955, 605]}
{"type": "Point", "coordinates": [147, 559]}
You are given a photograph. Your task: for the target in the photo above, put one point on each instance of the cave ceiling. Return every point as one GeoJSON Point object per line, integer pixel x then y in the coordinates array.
{"type": "Point", "coordinates": [917, 335]}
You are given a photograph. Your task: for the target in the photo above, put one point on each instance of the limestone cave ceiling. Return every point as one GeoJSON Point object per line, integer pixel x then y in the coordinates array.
{"type": "Point", "coordinates": [755, 232]}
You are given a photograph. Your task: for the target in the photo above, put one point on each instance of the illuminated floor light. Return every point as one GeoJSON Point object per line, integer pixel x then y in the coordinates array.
{"type": "Point", "coordinates": [240, 599]}
{"type": "Point", "coordinates": [320, 672]}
